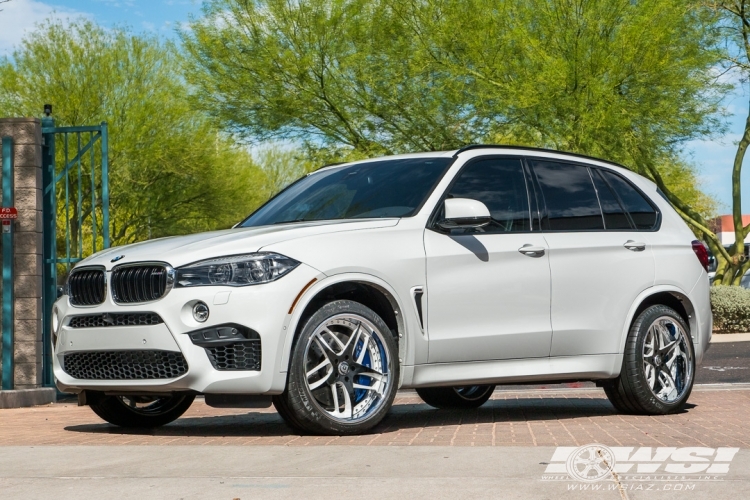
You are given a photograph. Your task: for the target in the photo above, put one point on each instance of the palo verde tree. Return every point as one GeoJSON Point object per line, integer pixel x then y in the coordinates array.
{"type": "Point", "coordinates": [171, 170]}
{"type": "Point", "coordinates": [734, 28]}
{"type": "Point", "coordinates": [627, 81]}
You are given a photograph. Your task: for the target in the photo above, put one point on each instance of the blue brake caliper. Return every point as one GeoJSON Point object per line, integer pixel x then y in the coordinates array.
{"type": "Point", "coordinates": [359, 394]}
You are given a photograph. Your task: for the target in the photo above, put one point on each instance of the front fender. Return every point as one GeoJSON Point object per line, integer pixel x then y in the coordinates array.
{"type": "Point", "coordinates": [406, 323]}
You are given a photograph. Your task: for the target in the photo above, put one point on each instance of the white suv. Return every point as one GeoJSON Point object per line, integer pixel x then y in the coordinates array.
{"type": "Point", "coordinates": [446, 272]}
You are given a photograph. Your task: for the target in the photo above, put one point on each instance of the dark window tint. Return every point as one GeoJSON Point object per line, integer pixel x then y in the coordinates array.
{"type": "Point", "coordinates": [389, 188]}
{"type": "Point", "coordinates": [640, 210]}
{"type": "Point", "coordinates": [570, 197]}
{"type": "Point", "coordinates": [499, 184]}
{"type": "Point", "coordinates": [614, 216]}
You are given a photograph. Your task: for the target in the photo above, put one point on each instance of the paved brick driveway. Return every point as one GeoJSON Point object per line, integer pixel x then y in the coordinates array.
{"type": "Point", "coordinates": [716, 417]}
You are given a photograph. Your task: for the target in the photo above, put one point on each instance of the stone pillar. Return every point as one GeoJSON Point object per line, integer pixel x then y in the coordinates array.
{"type": "Point", "coordinates": [27, 140]}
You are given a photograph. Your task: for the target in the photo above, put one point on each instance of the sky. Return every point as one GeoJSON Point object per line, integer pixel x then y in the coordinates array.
{"type": "Point", "coordinates": [713, 158]}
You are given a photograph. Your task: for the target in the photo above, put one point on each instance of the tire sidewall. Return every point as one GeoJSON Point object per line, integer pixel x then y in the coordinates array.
{"type": "Point", "coordinates": [638, 337]}
{"type": "Point", "coordinates": [301, 401]}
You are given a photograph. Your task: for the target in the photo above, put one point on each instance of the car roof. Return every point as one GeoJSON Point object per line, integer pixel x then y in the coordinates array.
{"type": "Point", "coordinates": [488, 148]}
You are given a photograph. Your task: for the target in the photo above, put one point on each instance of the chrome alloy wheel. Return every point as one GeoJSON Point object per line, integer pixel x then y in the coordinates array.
{"type": "Point", "coordinates": [347, 367]}
{"type": "Point", "coordinates": [667, 359]}
{"type": "Point", "coordinates": [148, 405]}
{"type": "Point", "coordinates": [472, 392]}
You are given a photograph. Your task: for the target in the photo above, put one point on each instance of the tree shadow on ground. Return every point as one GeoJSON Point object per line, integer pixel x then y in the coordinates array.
{"type": "Point", "coordinates": [401, 416]}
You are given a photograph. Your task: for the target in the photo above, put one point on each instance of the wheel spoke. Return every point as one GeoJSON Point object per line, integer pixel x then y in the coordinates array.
{"type": "Point", "coordinates": [337, 412]}
{"type": "Point", "coordinates": [669, 388]}
{"type": "Point", "coordinates": [663, 336]}
{"type": "Point", "coordinates": [322, 380]}
{"type": "Point", "coordinates": [324, 347]}
{"type": "Point", "coordinates": [377, 380]}
{"type": "Point", "coordinates": [362, 353]}
{"type": "Point", "coordinates": [649, 348]}
{"type": "Point", "coordinates": [351, 344]}
{"type": "Point", "coordinates": [675, 354]}
{"type": "Point", "coordinates": [650, 375]}
{"type": "Point", "coordinates": [325, 362]}
{"type": "Point", "coordinates": [335, 339]}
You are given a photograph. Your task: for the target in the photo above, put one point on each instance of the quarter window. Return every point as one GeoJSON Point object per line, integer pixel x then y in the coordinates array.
{"type": "Point", "coordinates": [499, 183]}
{"type": "Point", "coordinates": [569, 196]}
{"type": "Point", "coordinates": [640, 210]}
{"type": "Point", "coordinates": [614, 215]}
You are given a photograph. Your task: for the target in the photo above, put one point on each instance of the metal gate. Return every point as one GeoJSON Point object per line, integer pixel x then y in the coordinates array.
{"type": "Point", "coordinates": [75, 177]}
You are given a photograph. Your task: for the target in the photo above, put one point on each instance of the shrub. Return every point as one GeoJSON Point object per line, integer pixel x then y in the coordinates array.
{"type": "Point", "coordinates": [731, 308]}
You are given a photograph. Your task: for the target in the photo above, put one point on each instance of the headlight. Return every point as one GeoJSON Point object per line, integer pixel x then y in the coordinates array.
{"type": "Point", "coordinates": [237, 270]}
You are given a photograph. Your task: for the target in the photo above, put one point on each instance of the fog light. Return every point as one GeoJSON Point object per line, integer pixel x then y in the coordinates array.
{"type": "Point", "coordinates": [200, 312]}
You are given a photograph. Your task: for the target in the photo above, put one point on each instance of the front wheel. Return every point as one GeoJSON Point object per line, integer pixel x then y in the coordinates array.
{"type": "Point", "coordinates": [142, 411]}
{"type": "Point", "coordinates": [658, 368]}
{"type": "Point", "coordinates": [460, 398]}
{"type": "Point", "coordinates": [343, 374]}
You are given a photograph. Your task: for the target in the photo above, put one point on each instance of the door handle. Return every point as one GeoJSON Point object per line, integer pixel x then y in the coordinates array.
{"type": "Point", "coordinates": [531, 250]}
{"type": "Point", "coordinates": [635, 246]}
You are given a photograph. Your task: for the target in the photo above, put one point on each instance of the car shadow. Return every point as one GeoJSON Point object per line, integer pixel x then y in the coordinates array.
{"type": "Point", "coordinates": [401, 416]}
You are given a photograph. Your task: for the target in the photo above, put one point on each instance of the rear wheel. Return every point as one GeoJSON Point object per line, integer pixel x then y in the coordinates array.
{"type": "Point", "coordinates": [658, 368]}
{"type": "Point", "coordinates": [462, 397]}
{"type": "Point", "coordinates": [142, 411]}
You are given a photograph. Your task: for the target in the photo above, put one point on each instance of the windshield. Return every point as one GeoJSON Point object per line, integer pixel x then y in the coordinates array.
{"type": "Point", "coordinates": [388, 188]}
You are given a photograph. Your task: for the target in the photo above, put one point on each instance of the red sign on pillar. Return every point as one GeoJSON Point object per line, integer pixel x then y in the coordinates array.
{"type": "Point", "coordinates": [8, 213]}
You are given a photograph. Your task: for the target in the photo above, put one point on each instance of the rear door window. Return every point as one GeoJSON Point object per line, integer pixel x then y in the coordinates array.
{"type": "Point", "coordinates": [569, 196]}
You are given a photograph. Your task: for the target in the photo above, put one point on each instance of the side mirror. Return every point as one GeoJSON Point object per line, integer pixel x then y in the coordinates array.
{"type": "Point", "coordinates": [464, 213]}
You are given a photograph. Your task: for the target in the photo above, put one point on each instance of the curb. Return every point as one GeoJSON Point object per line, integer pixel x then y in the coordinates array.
{"type": "Point", "coordinates": [22, 398]}
{"type": "Point", "coordinates": [718, 338]}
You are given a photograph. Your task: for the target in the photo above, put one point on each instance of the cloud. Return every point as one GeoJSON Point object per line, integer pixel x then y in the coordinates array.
{"type": "Point", "coordinates": [19, 17]}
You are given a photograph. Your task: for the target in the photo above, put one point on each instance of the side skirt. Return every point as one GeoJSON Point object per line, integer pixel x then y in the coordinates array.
{"type": "Point", "coordinates": [507, 371]}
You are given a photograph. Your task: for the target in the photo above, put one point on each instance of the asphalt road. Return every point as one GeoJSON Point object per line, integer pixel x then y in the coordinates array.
{"type": "Point", "coordinates": [726, 362]}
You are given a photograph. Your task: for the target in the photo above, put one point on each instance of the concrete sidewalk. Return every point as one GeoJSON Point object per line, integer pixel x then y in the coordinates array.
{"type": "Point", "coordinates": [279, 472]}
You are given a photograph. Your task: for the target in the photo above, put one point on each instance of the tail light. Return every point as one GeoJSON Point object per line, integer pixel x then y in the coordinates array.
{"type": "Point", "coordinates": [700, 251]}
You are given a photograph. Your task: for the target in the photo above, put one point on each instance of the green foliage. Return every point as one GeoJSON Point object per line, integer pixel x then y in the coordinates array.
{"type": "Point", "coordinates": [627, 81]}
{"type": "Point", "coordinates": [731, 309]}
{"type": "Point", "coordinates": [281, 166]}
{"type": "Point", "coordinates": [171, 170]}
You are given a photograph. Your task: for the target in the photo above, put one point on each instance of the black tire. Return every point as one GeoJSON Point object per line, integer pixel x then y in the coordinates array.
{"type": "Point", "coordinates": [303, 409]}
{"type": "Point", "coordinates": [155, 412]}
{"type": "Point", "coordinates": [280, 403]}
{"type": "Point", "coordinates": [457, 398]}
{"type": "Point", "coordinates": [631, 392]}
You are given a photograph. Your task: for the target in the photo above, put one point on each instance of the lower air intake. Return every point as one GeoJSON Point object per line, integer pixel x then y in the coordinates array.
{"type": "Point", "coordinates": [124, 365]}
{"type": "Point", "coordinates": [243, 355]}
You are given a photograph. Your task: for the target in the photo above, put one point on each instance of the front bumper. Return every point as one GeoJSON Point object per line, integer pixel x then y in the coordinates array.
{"type": "Point", "coordinates": [262, 308]}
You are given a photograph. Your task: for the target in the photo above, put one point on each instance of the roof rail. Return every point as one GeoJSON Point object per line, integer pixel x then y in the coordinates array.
{"type": "Point", "coordinates": [532, 148]}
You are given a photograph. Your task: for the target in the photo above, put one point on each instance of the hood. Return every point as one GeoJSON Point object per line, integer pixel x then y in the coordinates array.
{"type": "Point", "coordinates": [181, 250]}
